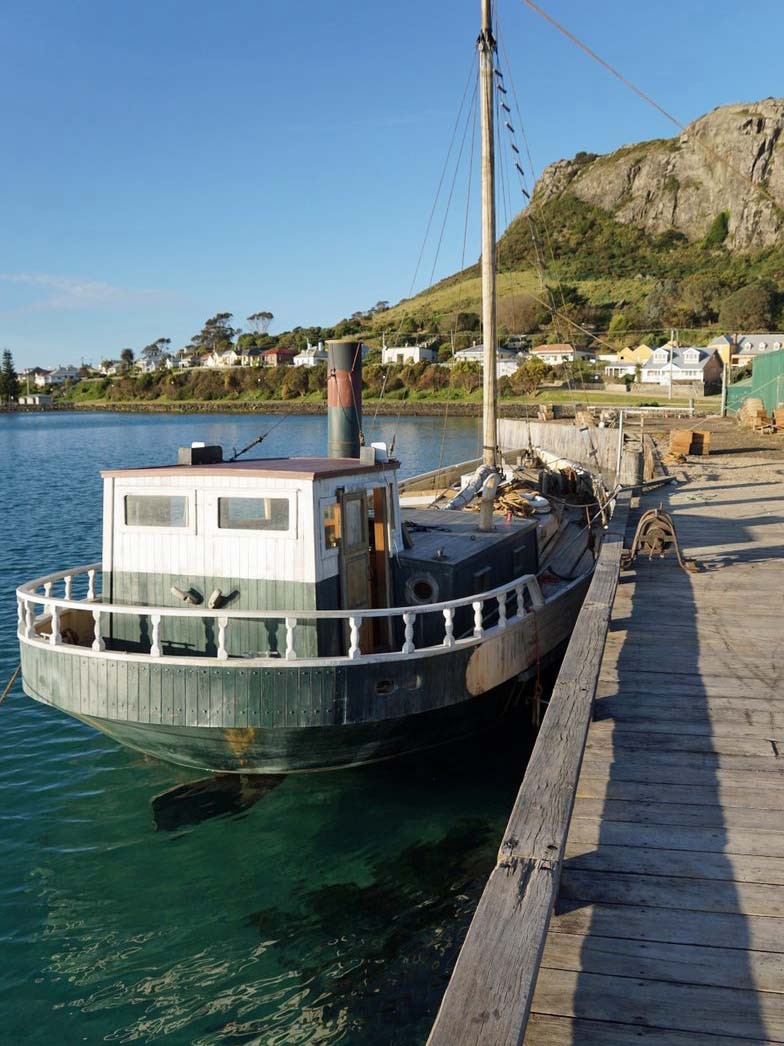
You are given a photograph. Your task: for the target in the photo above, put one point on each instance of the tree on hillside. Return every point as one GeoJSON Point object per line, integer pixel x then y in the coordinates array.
{"type": "Point", "coordinates": [261, 321]}
{"type": "Point", "coordinates": [156, 348]}
{"type": "Point", "coordinates": [9, 381]}
{"type": "Point", "coordinates": [126, 358]}
{"type": "Point", "coordinates": [216, 335]}
{"type": "Point", "coordinates": [529, 376]}
{"type": "Point", "coordinates": [751, 308]}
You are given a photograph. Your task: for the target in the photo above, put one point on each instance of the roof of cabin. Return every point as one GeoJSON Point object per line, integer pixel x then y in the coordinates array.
{"type": "Point", "coordinates": [280, 468]}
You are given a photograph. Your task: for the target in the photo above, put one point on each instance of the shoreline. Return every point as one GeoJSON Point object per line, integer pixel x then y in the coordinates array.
{"type": "Point", "coordinates": [391, 408]}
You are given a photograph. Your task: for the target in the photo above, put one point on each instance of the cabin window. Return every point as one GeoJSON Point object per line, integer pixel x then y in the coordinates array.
{"type": "Point", "coordinates": [253, 513]}
{"type": "Point", "coordinates": [156, 510]}
{"type": "Point", "coordinates": [330, 518]}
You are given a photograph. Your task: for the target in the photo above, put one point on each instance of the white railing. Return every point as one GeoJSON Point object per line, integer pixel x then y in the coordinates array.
{"type": "Point", "coordinates": [486, 606]}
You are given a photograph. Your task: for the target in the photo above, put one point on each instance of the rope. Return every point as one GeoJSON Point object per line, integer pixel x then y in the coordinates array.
{"type": "Point", "coordinates": [11, 682]}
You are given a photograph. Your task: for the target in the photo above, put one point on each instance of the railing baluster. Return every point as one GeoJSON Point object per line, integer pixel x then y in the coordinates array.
{"type": "Point", "coordinates": [502, 610]}
{"type": "Point", "coordinates": [291, 638]}
{"type": "Point", "coordinates": [91, 584]}
{"type": "Point", "coordinates": [68, 584]}
{"type": "Point", "coordinates": [54, 637]}
{"type": "Point", "coordinates": [47, 588]}
{"type": "Point", "coordinates": [520, 594]}
{"type": "Point", "coordinates": [449, 626]}
{"type": "Point", "coordinates": [30, 622]}
{"type": "Point", "coordinates": [409, 617]}
{"type": "Point", "coordinates": [223, 624]}
{"type": "Point", "coordinates": [20, 616]}
{"type": "Point", "coordinates": [479, 629]}
{"type": "Point", "coordinates": [98, 643]}
{"type": "Point", "coordinates": [155, 645]}
{"type": "Point", "coordinates": [354, 624]}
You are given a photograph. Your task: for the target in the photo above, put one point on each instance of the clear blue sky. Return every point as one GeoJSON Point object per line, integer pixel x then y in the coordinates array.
{"type": "Point", "coordinates": [164, 160]}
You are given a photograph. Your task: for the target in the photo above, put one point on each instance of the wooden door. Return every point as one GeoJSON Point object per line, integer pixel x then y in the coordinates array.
{"type": "Point", "coordinates": [355, 584]}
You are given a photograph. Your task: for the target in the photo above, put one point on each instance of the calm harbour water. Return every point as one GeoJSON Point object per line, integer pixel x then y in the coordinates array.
{"type": "Point", "coordinates": [329, 912]}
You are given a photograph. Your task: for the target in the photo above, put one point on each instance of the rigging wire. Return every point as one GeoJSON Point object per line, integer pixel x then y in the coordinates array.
{"type": "Point", "coordinates": [471, 76]}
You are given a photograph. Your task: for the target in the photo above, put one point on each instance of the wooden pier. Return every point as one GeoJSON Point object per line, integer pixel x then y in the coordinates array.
{"type": "Point", "coordinates": [657, 826]}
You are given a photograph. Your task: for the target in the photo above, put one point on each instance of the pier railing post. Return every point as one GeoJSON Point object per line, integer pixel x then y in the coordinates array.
{"type": "Point", "coordinates": [30, 622]}
{"type": "Point", "coordinates": [91, 584]}
{"type": "Point", "coordinates": [502, 610]}
{"type": "Point", "coordinates": [68, 585]}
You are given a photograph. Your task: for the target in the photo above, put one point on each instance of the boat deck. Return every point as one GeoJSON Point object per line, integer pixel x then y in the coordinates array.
{"type": "Point", "coordinates": [669, 925]}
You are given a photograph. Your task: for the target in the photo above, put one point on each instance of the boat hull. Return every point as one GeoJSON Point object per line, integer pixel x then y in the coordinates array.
{"type": "Point", "coordinates": [236, 717]}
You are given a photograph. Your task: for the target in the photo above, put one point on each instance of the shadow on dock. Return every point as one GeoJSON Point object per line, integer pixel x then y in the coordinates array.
{"type": "Point", "coordinates": [656, 933]}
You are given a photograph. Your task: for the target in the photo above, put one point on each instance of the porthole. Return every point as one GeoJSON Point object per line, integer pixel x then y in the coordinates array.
{"type": "Point", "coordinates": [421, 589]}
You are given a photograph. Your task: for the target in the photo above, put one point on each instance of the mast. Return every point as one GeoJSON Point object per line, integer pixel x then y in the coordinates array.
{"type": "Point", "coordinates": [486, 45]}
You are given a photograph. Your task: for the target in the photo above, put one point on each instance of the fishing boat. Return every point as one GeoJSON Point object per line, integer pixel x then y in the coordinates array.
{"type": "Point", "coordinates": [269, 615]}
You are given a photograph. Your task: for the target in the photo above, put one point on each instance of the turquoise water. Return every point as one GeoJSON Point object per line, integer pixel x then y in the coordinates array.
{"type": "Point", "coordinates": [331, 911]}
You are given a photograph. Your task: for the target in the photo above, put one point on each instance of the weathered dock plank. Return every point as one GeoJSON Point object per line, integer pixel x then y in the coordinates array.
{"type": "Point", "coordinates": [669, 919]}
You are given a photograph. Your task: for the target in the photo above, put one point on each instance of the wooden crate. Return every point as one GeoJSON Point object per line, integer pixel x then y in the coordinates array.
{"type": "Point", "coordinates": [700, 443]}
{"type": "Point", "coordinates": [680, 441]}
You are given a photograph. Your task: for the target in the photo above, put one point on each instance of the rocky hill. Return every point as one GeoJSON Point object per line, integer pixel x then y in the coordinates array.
{"type": "Point", "coordinates": [723, 178]}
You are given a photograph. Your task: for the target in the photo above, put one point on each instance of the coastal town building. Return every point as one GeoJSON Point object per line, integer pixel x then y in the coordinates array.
{"type": "Point", "coordinates": [56, 377]}
{"type": "Point", "coordinates": [749, 346]}
{"type": "Point", "coordinates": [252, 357]}
{"type": "Point", "coordinates": [227, 358]}
{"type": "Point", "coordinates": [671, 362]}
{"type": "Point", "coordinates": [559, 353]}
{"type": "Point", "coordinates": [35, 399]}
{"type": "Point", "coordinates": [391, 354]}
{"type": "Point", "coordinates": [311, 356]}
{"type": "Point", "coordinates": [278, 357]}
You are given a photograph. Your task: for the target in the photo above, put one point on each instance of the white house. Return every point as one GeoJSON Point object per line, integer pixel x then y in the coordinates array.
{"type": "Point", "coordinates": [311, 356]}
{"type": "Point", "coordinates": [686, 364]}
{"type": "Point", "coordinates": [228, 358]}
{"type": "Point", "coordinates": [408, 354]}
{"type": "Point", "coordinates": [152, 361]}
{"type": "Point", "coordinates": [559, 353]}
{"type": "Point", "coordinates": [56, 377]}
